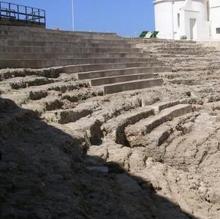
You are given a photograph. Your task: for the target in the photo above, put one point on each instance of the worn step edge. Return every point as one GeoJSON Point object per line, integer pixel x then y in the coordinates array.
{"type": "Point", "coordinates": [123, 71]}
{"type": "Point", "coordinates": [132, 85]}
{"type": "Point", "coordinates": [151, 123]}
{"type": "Point", "coordinates": [116, 126]}
{"type": "Point", "coordinates": [124, 78]}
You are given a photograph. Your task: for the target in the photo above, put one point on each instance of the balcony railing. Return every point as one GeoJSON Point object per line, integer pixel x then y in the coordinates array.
{"type": "Point", "coordinates": [14, 13]}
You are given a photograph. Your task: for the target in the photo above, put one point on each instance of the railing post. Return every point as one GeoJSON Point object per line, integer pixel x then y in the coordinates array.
{"type": "Point", "coordinates": [26, 14]}
{"type": "Point", "coordinates": [18, 12]}
{"type": "Point", "coordinates": [0, 10]}
{"type": "Point", "coordinates": [32, 14]}
{"type": "Point", "coordinates": [9, 6]}
{"type": "Point", "coordinates": [38, 11]}
{"type": "Point", "coordinates": [45, 20]}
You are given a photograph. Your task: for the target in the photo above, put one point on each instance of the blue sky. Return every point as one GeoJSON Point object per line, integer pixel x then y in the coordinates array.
{"type": "Point", "coordinates": [125, 17]}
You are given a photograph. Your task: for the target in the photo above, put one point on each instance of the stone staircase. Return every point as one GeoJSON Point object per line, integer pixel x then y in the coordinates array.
{"type": "Point", "coordinates": [191, 62]}
{"type": "Point", "coordinates": [104, 60]}
{"type": "Point", "coordinates": [167, 134]}
{"type": "Point", "coordinates": [180, 53]}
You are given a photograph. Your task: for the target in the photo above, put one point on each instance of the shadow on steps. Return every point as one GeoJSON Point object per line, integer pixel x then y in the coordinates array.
{"type": "Point", "coordinates": [44, 174]}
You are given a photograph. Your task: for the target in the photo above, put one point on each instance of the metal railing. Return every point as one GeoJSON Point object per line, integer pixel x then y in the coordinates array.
{"type": "Point", "coordinates": [20, 13]}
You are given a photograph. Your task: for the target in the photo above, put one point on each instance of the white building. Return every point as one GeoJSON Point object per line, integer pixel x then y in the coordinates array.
{"type": "Point", "coordinates": [193, 19]}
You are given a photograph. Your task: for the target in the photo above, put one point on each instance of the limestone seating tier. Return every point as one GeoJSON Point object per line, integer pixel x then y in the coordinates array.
{"type": "Point", "coordinates": [129, 67]}
{"type": "Point", "coordinates": [116, 126]}
{"type": "Point", "coordinates": [120, 72]}
{"type": "Point", "coordinates": [65, 48]}
{"type": "Point", "coordinates": [47, 37]}
{"type": "Point", "coordinates": [71, 50]}
{"type": "Point", "coordinates": [103, 66]}
{"type": "Point", "coordinates": [72, 55]}
{"type": "Point", "coordinates": [132, 85]}
{"type": "Point", "coordinates": [46, 32]}
{"type": "Point", "coordinates": [42, 63]}
{"type": "Point", "coordinates": [24, 31]}
{"type": "Point", "coordinates": [146, 126]}
{"type": "Point", "coordinates": [63, 42]}
{"type": "Point", "coordinates": [46, 48]}
{"type": "Point", "coordinates": [121, 78]}
{"type": "Point", "coordinates": [190, 56]}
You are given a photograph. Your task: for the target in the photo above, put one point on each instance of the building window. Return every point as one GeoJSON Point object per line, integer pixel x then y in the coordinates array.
{"type": "Point", "coordinates": [178, 19]}
{"type": "Point", "coordinates": [218, 30]}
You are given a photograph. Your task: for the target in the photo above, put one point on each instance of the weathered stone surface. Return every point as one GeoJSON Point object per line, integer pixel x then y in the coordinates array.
{"type": "Point", "coordinates": [146, 154]}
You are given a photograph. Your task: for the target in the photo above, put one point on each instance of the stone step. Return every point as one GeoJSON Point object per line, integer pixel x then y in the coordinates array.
{"type": "Point", "coordinates": [64, 48]}
{"type": "Point", "coordinates": [190, 59]}
{"type": "Point", "coordinates": [65, 44]}
{"type": "Point", "coordinates": [181, 57]}
{"type": "Point", "coordinates": [103, 66]}
{"type": "Point", "coordinates": [183, 74]}
{"type": "Point", "coordinates": [117, 72]}
{"type": "Point", "coordinates": [66, 116]}
{"type": "Point", "coordinates": [72, 55]}
{"type": "Point", "coordinates": [186, 48]}
{"type": "Point", "coordinates": [145, 126]}
{"type": "Point", "coordinates": [64, 86]}
{"type": "Point", "coordinates": [183, 52]}
{"type": "Point", "coordinates": [41, 63]}
{"type": "Point", "coordinates": [182, 47]}
{"type": "Point", "coordinates": [46, 72]}
{"type": "Point", "coordinates": [164, 105]}
{"type": "Point", "coordinates": [46, 40]}
{"type": "Point", "coordinates": [28, 81]}
{"type": "Point", "coordinates": [200, 67]}
{"type": "Point", "coordinates": [186, 81]}
{"type": "Point", "coordinates": [116, 126]}
{"type": "Point", "coordinates": [178, 46]}
{"type": "Point", "coordinates": [25, 95]}
{"type": "Point", "coordinates": [81, 94]}
{"type": "Point", "coordinates": [132, 85]}
{"type": "Point", "coordinates": [165, 42]}
{"type": "Point", "coordinates": [49, 103]}
{"type": "Point", "coordinates": [23, 29]}
{"type": "Point", "coordinates": [22, 32]}
{"type": "Point", "coordinates": [159, 135]}
{"type": "Point", "coordinates": [88, 128]}
{"type": "Point", "coordinates": [63, 38]}
{"type": "Point", "coordinates": [124, 78]}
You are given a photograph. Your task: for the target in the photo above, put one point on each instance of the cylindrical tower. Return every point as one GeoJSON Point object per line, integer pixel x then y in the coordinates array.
{"type": "Point", "coordinates": [215, 19]}
{"type": "Point", "coordinates": [176, 19]}
{"type": "Point", "coordinates": [166, 18]}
